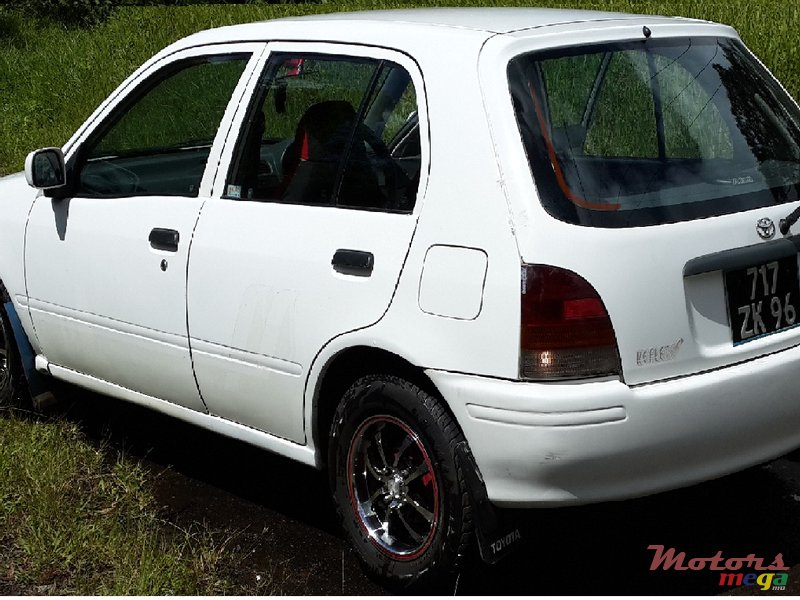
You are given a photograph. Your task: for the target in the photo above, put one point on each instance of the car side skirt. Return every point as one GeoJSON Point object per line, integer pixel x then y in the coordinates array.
{"type": "Point", "coordinates": [231, 429]}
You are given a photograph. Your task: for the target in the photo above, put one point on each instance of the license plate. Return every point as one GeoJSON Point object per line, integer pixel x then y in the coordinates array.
{"type": "Point", "coordinates": [762, 299]}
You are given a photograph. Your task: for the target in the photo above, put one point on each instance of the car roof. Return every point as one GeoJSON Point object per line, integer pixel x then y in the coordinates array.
{"type": "Point", "coordinates": [489, 20]}
{"type": "Point", "coordinates": [406, 28]}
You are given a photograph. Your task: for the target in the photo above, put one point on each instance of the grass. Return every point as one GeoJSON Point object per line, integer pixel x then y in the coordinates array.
{"type": "Point", "coordinates": [78, 519]}
{"type": "Point", "coordinates": [51, 78]}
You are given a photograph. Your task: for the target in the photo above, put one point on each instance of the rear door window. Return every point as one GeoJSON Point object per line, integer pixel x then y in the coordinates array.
{"type": "Point", "coordinates": [329, 131]}
{"type": "Point", "coordinates": [644, 133]}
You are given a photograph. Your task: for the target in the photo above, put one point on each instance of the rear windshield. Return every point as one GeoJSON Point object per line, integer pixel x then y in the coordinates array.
{"type": "Point", "coordinates": [656, 131]}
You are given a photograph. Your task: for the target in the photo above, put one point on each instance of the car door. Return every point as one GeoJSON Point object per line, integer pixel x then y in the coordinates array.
{"type": "Point", "coordinates": [106, 265]}
{"type": "Point", "coordinates": [309, 225]}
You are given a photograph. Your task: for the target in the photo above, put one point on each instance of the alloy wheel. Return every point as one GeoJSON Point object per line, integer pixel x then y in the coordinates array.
{"type": "Point", "coordinates": [393, 487]}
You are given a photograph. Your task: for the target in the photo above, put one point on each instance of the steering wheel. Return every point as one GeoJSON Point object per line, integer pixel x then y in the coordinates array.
{"type": "Point", "coordinates": [396, 178]}
{"type": "Point", "coordinates": [105, 177]}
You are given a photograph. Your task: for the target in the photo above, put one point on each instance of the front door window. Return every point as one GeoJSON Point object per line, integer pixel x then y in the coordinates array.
{"type": "Point", "coordinates": [158, 141]}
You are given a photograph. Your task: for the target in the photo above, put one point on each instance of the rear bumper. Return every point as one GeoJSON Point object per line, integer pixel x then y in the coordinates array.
{"type": "Point", "coordinates": [545, 444]}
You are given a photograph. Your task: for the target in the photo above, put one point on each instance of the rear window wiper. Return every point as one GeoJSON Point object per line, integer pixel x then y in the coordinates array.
{"type": "Point", "coordinates": [786, 224]}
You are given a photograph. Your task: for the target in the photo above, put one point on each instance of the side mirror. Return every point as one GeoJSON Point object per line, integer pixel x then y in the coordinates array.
{"type": "Point", "coordinates": [45, 169]}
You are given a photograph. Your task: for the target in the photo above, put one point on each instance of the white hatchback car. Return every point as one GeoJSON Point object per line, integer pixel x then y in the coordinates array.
{"type": "Point", "coordinates": [461, 258]}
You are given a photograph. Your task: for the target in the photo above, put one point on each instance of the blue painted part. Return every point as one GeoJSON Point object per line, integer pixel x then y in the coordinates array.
{"type": "Point", "coordinates": [37, 384]}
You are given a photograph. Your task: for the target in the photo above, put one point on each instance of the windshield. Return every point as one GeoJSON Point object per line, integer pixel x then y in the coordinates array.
{"type": "Point", "coordinates": [655, 131]}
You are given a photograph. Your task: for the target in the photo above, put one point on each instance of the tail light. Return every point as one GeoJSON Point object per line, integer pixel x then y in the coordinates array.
{"type": "Point", "coordinates": [566, 332]}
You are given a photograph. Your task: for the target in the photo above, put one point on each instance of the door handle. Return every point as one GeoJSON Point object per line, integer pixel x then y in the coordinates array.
{"type": "Point", "coordinates": [164, 239]}
{"type": "Point", "coordinates": [353, 262]}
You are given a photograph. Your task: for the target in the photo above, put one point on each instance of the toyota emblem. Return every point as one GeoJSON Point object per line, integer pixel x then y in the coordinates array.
{"type": "Point", "coordinates": [765, 228]}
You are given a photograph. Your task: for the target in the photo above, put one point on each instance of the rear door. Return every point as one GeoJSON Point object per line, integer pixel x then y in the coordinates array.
{"type": "Point", "coordinates": [312, 216]}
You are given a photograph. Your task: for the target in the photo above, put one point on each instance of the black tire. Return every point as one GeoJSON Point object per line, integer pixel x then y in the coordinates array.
{"type": "Point", "coordinates": [399, 494]}
{"type": "Point", "coordinates": [12, 381]}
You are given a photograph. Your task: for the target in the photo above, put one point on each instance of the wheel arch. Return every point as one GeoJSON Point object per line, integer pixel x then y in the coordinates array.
{"type": "Point", "coordinates": [35, 387]}
{"type": "Point", "coordinates": [346, 366]}
{"type": "Point", "coordinates": [18, 335]}
{"type": "Point", "coordinates": [21, 339]}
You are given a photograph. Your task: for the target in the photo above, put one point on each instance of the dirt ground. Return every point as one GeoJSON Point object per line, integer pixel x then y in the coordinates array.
{"type": "Point", "coordinates": [277, 516]}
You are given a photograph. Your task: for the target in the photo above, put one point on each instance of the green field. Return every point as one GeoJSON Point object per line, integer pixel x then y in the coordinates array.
{"type": "Point", "coordinates": [51, 78]}
{"type": "Point", "coordinates": [76, 518]}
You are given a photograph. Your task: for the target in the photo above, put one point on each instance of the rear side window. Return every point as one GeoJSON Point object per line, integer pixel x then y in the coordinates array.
{"type": "Point", "coordinates": [657, 131]}
{"type": "Point", "coordinates": [331, 131]}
